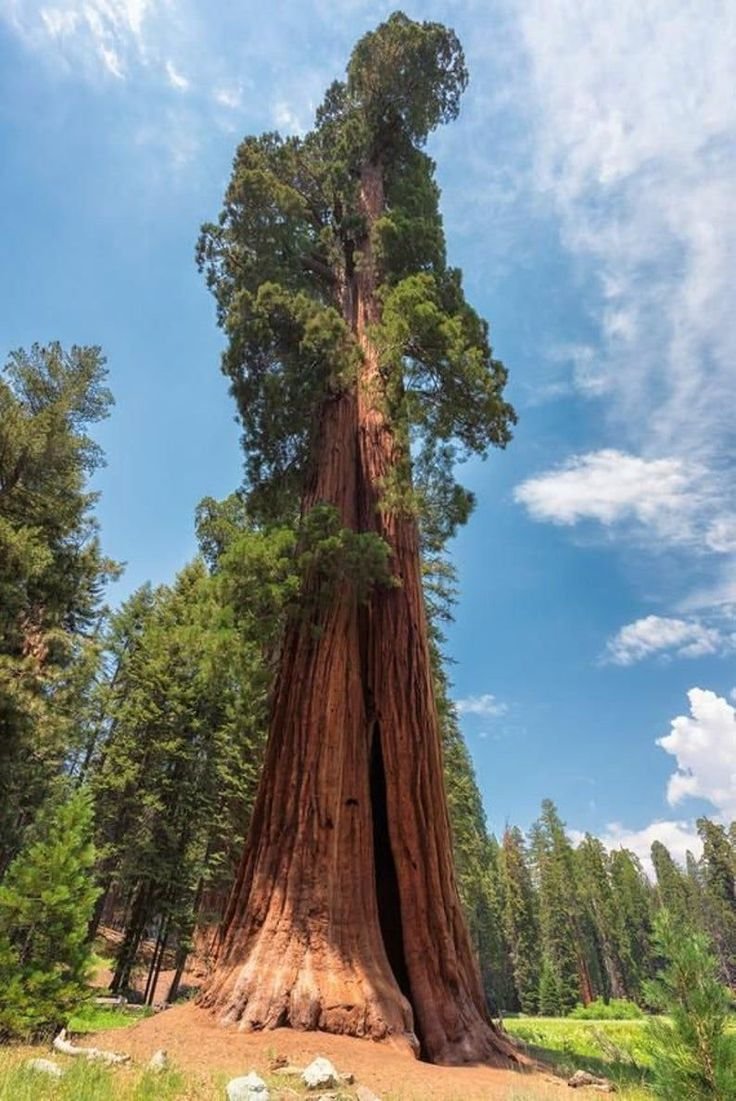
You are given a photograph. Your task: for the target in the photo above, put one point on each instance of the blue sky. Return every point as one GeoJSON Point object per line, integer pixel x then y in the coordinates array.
{"type": "Point", "coordinates": [588, 193]}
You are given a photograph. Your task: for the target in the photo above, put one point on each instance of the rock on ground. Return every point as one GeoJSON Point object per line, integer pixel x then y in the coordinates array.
{"type": "Point", "coordinates": [247, 1088]}
{"type": "Point", "coordinates": [364, 1094]}
{"type": "Point", "coordinates": [320, 1074]}
{"type": "Point", "coordinates": [159, 1061]}
{"type": "Point", "coordinates": [585, 1078]}
{"type": "Point", "coordinates": [45, 1066]}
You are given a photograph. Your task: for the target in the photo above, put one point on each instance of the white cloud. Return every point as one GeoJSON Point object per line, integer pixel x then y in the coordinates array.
{"type": "Point", "coordinates": [112, 60]}
{"type": "Point", "coordinates": [663, 504]}
{"type": "Point", "coordinates": [611, 486]}
{"type": "Point", "coordinates": [176, 80]}
{"type": "Point", "coordinates": [634, 128]}
{"type": "Point", "coordinates": [721, 534]}
{"type": "Point", "coordinates": [704, 745]}
{"type": "Point", "coordinates": [635, 139]}
{"type": "Point", "coordinates": [659, 635]}
{"type": "Point", "coordinates": [486, 704]}
{"type": "Point", "coordinates": [59, 22]}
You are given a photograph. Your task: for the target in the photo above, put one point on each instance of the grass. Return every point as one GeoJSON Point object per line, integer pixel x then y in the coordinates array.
{"type": "Point", "coordinates": [611, 1049]}
{"type": "Point", "coordinates": [85, 1081]}
{"type": "Point", "coordinates": [95, 1018]}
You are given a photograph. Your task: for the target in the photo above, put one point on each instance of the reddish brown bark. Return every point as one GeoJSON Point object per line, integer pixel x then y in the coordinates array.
{"type": "Point", "coordinates": [345, 915]}
{"type": "Point", "coordinates": [443, 977]}
{"type": "Point", "coordinates": [301, 936]}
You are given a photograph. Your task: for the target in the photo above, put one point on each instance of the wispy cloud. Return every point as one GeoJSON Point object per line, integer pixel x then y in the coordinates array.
{"type": "Point", "coordinates": [229, 95]}
{"type": "Point", "coordinates": [662, 636]}
{"type": "Point", "coordinates": [176, 80]}
{"type": "Point", "coordinates": [487, 704]}
{"type": "Point", "coordinates": [635, 148]}
{"type": "Point", "coordinates": [289, 120]}
{"type": "Point", "coordinates": [102, 36]}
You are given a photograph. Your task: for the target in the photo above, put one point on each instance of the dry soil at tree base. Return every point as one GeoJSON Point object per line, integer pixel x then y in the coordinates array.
{"type": "Point", "coordinates": [195, 1042]}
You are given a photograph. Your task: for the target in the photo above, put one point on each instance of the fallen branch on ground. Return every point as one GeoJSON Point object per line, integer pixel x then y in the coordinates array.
{"type": "Point", "coordinates": [66, 1047]}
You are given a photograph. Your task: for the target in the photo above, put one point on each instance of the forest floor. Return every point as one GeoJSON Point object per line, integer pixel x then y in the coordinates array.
{"type": "Point", "coordinates": [107, 945]}
{"type": "Point", "coordinates": [204, 1056]}
{"type": "Point", "coordinates": [207, 1055]}
{"type": "Point", "coordinates": [195, 1043]}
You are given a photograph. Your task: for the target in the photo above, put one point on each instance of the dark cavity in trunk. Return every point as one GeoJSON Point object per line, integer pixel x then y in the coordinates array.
{"type": "Point", "coordinates": [387, 883]}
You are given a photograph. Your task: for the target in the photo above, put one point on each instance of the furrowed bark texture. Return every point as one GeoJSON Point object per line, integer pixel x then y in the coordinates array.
{"type": "Point", "coordinates": [301, 942]}
{"type": "Point", "coordinates": [443, 977]}
{"type": "Point", "coordinates": [345, 914]}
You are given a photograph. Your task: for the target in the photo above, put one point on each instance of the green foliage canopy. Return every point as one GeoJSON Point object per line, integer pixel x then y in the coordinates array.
{"type": "Point", "coordinates": [289, 239]}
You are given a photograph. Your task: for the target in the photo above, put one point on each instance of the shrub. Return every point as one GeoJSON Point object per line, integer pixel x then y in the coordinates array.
{"type": "Point", "coordinates": [693, 1057]}
{"type": "Point", "coordinates": [46, 902]}
{"type": "Point", "coordinates": [616, 1009]}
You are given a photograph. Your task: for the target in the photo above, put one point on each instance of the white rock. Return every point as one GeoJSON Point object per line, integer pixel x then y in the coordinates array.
{"type": "Point", "coordinates": [159, 1061]}
{"type": "Point", "coordinates": [247, 1088]}
{"type": "Point", "coordinates": [45, 1066]}
{"type": "Point", "coordinates": [320, 1074]}
{"type": "Point", "coordinates": [364, 1094]}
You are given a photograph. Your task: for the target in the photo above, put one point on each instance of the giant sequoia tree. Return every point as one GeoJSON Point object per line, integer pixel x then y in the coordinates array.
{"type": "Point", "coordinates": [353, 356]}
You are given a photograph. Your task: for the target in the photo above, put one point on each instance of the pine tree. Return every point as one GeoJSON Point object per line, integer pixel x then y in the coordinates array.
{"type": "Point", "coordinates": [51, 571]}
{"type": "Point", "coordinates": [693, 1056]}
{"type": "Point", "coordinates": [597, 893]}
{"type": "Point", "coordinates": [46, 902]}
{"type": "Point", "coordinates": [175, 773]}
{"type": "Point", "coordinates": [719, 894]}
{"type": "Point", "coordinates": [675, 892]}
{"type": "Point", "coordinates": [553, 1001]}
{"type": "Point", "coordinates": [521, 922]}
{"type": "Point", "coordinates": [634, 905]}
{"type": "Point", "coordinates": [565, 948]}
{"type": "Point", "coordinates": [348, 338]}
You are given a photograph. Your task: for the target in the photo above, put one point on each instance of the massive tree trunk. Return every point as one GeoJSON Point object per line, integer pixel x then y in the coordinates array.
{"type": "Point", "coordinates": [302, 944]}
{"type": "Point", "coordinates": [345, 914]}
{"type": "Point", "coordinates": [433, 951]}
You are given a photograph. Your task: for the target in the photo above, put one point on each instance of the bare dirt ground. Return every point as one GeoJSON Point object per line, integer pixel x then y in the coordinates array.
{"type": "Point", "coordinates": [195, 1042]}
{"type": "Point", "coordinates": [109, 940]}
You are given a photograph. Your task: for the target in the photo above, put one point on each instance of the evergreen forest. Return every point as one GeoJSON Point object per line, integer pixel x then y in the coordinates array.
{"type": "Point", "coordinates": [157, 711]}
